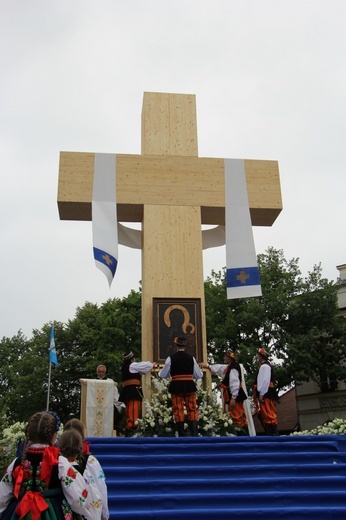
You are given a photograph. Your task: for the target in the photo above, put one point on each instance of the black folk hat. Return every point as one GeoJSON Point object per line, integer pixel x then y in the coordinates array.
{"type": "Point", "coordinates": [128, 356]}
{"type": "Point", "coordinates": [180, 341]}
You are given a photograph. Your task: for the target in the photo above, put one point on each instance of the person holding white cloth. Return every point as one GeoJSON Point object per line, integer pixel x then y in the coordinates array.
{"type": "Point", "coordinates": [234, 395]}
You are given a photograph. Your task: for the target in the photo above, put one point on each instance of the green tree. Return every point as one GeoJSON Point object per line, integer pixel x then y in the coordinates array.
{"type": "Point", "coordinates": [12, 353]}
{"type": "Point", "coordinates": [97, 334]}
{"type": "Point", "coordinates": [295, 319]}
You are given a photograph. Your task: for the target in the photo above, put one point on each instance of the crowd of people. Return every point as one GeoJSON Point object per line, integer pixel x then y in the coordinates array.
{"type": "Point", "coordinates": [54, 480]}
{"type": "Point", "coordinates": [183, 370]}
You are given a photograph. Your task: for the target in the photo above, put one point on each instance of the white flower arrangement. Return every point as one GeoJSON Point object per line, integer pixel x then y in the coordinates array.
{"type": "Point", "coordinates": [158, 418]}
{"type": "Point", "coordinates": [12, 435]}
{"type": "Point", "coordinates": [10, 438]}
{"type": "Point", "coordinates": [335, 427]}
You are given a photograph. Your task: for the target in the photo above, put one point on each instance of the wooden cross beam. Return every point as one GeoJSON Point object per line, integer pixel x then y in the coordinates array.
{"type": "Point", "coordinates": [172, 192]}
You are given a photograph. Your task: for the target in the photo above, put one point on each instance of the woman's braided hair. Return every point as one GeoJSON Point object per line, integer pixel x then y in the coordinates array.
{"type": "Point", "coordinates": [71, 444]}
{"type": "Point", "coordinates": [40, 430]}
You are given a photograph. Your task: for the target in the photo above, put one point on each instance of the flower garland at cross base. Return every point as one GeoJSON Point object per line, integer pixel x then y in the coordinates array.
{"type": "Point", "coordinates": [158, 417]}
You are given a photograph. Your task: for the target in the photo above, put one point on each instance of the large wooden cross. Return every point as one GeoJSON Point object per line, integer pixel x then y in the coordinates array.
{"type": "Point", "coordinates": [172, 192]}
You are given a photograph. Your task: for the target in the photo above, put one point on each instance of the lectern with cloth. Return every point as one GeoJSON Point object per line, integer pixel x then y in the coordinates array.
{"type": "Point", "coordinates": [97, 406]}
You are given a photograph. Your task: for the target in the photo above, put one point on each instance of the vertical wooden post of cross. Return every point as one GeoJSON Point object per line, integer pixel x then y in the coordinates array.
{"type": "Point", "coordinates": [172, 253]}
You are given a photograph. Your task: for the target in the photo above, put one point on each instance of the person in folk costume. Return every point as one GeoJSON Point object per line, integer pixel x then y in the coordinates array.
{"type": "Point", "coordinates": [265, 394]}
{"type": "Point", "coordinates": [71, 447]}
{"type": "Point", "coordinates": [43, 485]}
{"type": "Point", "coordinates": [90, 467]}
{"type": "Point", "coordinates": [233, 394]}
{"type": "Point", "coordinates": [131, 392]}
{"type": "Point", "coordinates": [183, 369]}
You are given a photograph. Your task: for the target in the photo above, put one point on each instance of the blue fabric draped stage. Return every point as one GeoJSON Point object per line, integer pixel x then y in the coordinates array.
{"type": "Point", "coordinates": [298, 477]}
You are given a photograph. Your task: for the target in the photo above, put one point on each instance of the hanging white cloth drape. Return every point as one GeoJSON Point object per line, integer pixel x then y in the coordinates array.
{"type": "Point", "coordinates": [242, 271]}
{"type": "Point", "coordinates": [104, 215]}
{"type": "Point", "coordinates": [246, 404]}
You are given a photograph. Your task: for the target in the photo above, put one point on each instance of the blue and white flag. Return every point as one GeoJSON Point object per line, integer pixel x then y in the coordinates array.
{"type": "Point", "coordinates": [243, 279]}
{"type": "Point", "coordinates": [104, 215]}
{"type": "Point", "coordinates": [52, 351]}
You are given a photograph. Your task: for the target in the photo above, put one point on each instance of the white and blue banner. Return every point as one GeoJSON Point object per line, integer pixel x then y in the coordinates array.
{"type": "Point", "coordinates": [104, 215]}
{"type": "Point", "coordinates": [243, 279]}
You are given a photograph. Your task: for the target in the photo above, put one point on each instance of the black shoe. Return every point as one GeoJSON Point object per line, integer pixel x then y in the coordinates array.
{"type": "Point", "coordinates": [268, 429]}
{"type": "Point", "coordinates": [180, 429]}
{"type": "Point", "coordinates": [194, 428]}
{"type": "Point", "coordinates": [274, 430]}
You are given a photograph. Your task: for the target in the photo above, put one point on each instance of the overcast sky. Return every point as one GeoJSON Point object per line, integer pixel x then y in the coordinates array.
{"type": "Point", "coordinates": [270, 83]}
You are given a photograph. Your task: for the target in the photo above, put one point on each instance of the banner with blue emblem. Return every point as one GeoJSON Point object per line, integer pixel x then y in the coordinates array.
{"type": "Point", "coordinates": [243, 280]}
{"type": "Point", "coordinates": [104, 215]}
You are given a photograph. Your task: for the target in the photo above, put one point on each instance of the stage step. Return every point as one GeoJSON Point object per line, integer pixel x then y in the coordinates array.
{"type": "Point", "coordinates": [172, 478]}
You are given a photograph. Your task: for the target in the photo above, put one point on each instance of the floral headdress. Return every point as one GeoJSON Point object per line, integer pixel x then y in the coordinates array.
{"type": "Point", "coordinates": [57, 419]}
{"type": "Point", "coordinates": [262, 352]}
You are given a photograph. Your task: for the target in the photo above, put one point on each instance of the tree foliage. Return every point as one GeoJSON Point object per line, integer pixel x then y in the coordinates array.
{"type": "Point", "coordinates": [97, 334]}
{"type": "Point", "coordinates": [295, 320]}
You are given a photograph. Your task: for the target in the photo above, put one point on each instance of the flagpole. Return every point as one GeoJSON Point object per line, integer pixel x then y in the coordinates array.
{"type": "Point", "coordinates": [49, 379]}
{"type": "Point", "coordinates": [52, 359]}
